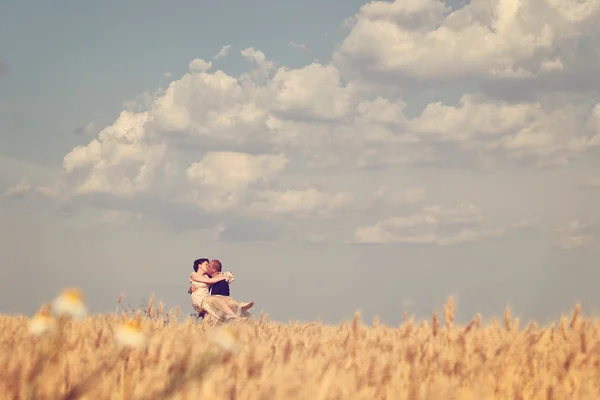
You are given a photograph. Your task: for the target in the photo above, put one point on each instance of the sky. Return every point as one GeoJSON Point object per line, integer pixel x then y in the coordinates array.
{"type": "Point", "coordinates": [335, 156]}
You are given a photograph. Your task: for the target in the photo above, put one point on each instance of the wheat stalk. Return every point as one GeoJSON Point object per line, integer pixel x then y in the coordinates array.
{"type": "Point", "coordinates": [417, 360]}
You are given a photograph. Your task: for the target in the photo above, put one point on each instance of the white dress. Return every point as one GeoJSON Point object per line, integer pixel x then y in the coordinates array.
{"type": "Point", "coordinates": [216, 305]}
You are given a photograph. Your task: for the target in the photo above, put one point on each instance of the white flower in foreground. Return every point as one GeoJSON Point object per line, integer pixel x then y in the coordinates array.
{"type": "Point", "coordinates": [42, 323]}
{"type": "Point", "coordinates": [225, 339]}
{"type": "Point", "coordinates": [69, 303]}
{"type": "Point", "coordinates": [130, 334]}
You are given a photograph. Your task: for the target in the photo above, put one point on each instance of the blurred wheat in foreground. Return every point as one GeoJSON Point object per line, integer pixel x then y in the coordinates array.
{"type": "Point", "coordinates": [61, 354]}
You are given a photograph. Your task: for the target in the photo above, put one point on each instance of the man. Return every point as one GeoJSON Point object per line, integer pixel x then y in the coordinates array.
{"type": "Point", "coordinates": [220, 288]}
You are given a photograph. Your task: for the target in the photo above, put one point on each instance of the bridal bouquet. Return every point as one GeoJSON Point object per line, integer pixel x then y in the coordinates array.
{"type": "Point", "coordinates": [229, 276]}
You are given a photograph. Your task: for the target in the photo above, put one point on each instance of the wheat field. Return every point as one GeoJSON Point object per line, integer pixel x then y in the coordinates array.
{"type": "Point", "coordinates": [156, 355]}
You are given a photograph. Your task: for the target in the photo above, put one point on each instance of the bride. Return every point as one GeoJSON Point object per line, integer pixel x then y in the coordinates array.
{"type": "Point", "coordinates": [219, 307]}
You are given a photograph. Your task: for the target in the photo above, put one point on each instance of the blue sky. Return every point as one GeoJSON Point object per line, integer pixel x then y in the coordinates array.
{"type": "Point", "coordinates": [113, 51]}
{"type": "Point", "coordinates": [378, 158]}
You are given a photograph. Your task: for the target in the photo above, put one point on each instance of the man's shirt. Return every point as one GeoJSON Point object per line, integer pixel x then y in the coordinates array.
{"type": "Point", "coordinates": [220, 288]}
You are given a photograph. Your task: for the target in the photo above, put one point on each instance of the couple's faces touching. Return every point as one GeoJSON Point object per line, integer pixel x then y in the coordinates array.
{"type": "Point", "coordinates": [207, 268]}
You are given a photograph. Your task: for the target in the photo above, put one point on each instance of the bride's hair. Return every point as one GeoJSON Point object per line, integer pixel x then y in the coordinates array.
{"type": "Point", "coordinates": [198, 262]}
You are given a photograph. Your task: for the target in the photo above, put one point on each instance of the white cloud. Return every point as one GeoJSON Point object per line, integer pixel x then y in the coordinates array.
{"type": "Point", "coordinates": [546, 134]}
{"type": "Point", "coordinates": [434, 224]}
{"type": "Point", "coordinates": [199, 65]}
{"type": "Point", "coordinates": [552, 65]}
{"type": "Point", "coordinates": [127, 156]}
{"type": "Point", "coordinates": [238, 182]}
{"type": "Point", "coordinates": [263, 69]}
{"type": "Point", "coordinates": [300, 46]}
{"type": "Point", "coordinates": [221, 180]}
{"type": "Point", "coordinates": [317, 120]}
{"type": "Point", "coordinates": [142, 102]}
{"type": "Point", "coordinates": [224, 52]}
{"type": "Point", "coordinates": [257, 57]}
{"type": "Point", "coordinates": [577, 235]}
{"type": "Point", "coordinates": [19, 189]}
{"type": "Point", "coordinates": [311, 92]}
{"type": "Point", "coordinates": [309, 203]}
{"type": "Point", "coordinates": [120, 162]}
{"type": "Point", "coordinates": [485, 38]}
{"type": "Point", "coordinates": [52, 192]}
{"type": "Point", "coordinates": [312, 113]}
{"type": "Point", "coordinates": [421, 135]}
{"type": "Point", "coordinates": [232, 170]}
{"type": "Point", "coordinates": [245, 144]}
{"type": "Point", "coordinates": [27, 176]}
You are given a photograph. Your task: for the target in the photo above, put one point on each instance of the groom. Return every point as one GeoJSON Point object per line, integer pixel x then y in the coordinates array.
{"type": "Point", "coordinates": [222, 287]}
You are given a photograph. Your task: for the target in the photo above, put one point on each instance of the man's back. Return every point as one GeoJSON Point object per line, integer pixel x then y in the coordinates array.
{"type": "Point", "coordinates": [220, 288]}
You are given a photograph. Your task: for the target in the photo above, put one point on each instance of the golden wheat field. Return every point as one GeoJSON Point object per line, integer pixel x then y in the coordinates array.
{"type": "Point", "coordinates": [153, 355]}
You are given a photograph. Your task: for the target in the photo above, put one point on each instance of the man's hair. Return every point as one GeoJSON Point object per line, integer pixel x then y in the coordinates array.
{"type": "Point", "coordinates": [216, 264]}
{"type": "Point", "coordinates": [198, 262]}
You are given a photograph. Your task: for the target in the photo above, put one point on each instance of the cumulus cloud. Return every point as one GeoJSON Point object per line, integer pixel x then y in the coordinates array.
{"type": "Point", "coordinates": [263, 67]}
{"type": "Point", "coordinates": [202, 109]}
{"type": "Point", "coordinates": [312, 92]}
{"type": "Point", "coordinates": [221, 180]}
{"type": "Point", "coordinates": [240, 183]}
{"type": "Point", "coordinates": [120, 161]}
{"type": "Point", "coordinates": [434, 225]}
{"type": "Point", "coordinates": [309, 113]}
{"type": "Point", "coordinates": [199, 65]}
{"type": "Point", "coordinates": [231, 170]}
{"type": "Point", "coordinates": [309, 203]}
{"type": "Point", "coordinates": [237, 144]}
{"type": "Point", "coordinates": [488, 38]}
{"type": "Point", "coordinates": [542, 133]}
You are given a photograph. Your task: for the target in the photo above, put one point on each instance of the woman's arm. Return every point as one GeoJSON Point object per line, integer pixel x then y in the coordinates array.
{"type": "Point", "coordinates": [205, 279]}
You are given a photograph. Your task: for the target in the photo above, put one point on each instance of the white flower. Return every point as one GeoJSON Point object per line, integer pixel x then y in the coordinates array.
{"type": "Point", "coordinates": [130, 334]}
{"type": "Point", "coordinates": [69, 303]}
{"type": "Point", "coordinates": [42, 323]}
{"type": "Point", "coordinates": [225, 339]}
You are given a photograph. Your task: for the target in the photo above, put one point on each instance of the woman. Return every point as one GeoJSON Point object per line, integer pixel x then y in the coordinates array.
{"type": "Point", "coordinates": [219, 307]}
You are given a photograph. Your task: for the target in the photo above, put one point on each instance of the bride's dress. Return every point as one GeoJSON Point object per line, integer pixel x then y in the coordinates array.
{"type": "Point", "coordinates": [216, 305]}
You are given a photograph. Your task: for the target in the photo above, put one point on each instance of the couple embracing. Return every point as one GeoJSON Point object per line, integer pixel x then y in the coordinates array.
{"type": "Point", "coordinates": [209, 287]}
